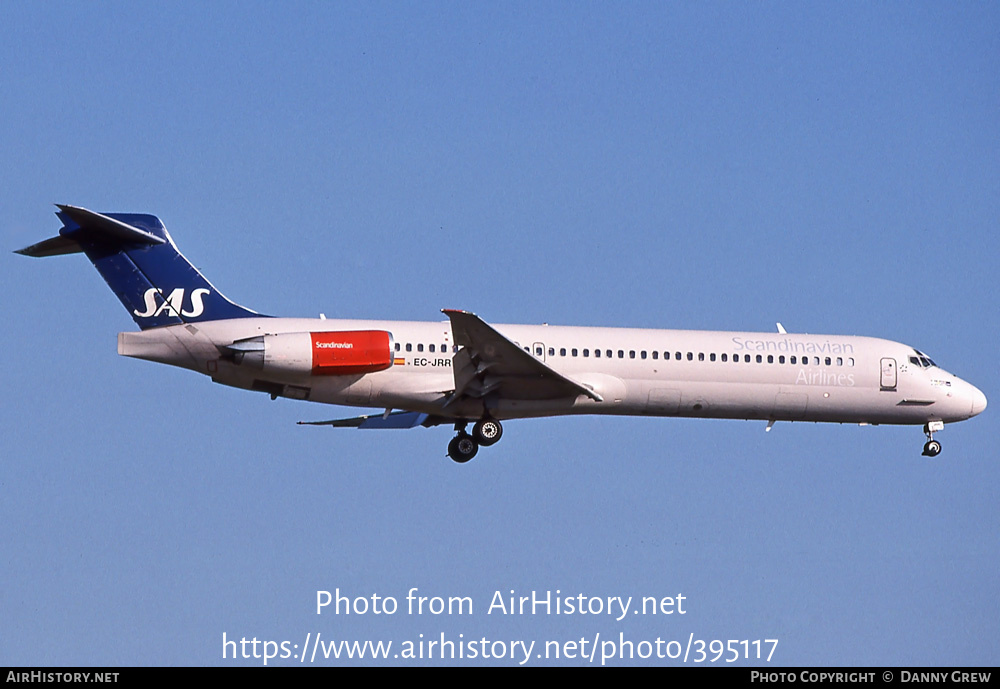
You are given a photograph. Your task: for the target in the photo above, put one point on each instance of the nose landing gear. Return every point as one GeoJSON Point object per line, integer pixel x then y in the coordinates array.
{"type": "Point", "coordinates": [932, 448]}
{"type": "Point", "coordinates": [464, 447]}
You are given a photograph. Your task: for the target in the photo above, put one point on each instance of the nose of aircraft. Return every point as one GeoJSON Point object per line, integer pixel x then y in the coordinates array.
{"type": "Point", "coordinates": [978, 401]}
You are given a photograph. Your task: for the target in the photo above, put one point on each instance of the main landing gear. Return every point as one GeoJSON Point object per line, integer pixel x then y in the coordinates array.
{"type": "Point", "coordinates": [932, 448]}
{"type": "Point", "coordinates": [464, 447]}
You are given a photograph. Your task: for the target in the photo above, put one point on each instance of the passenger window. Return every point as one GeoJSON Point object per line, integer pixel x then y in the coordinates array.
{"type": "Point", "coordinates": [398, 346]}
{"type": "Point", "coordinates": [827, 360]}
{"type": "Point", "coordinates": [781, 359]}
{"type": "Point", "coordinates": [420, 347]}
{"type": "Point", "coordinates": [701, 356]}
{"type": "Point", "coordinates": [770, 358]}
{"type": "Point", "coordinates": [840, 361]}
{"type": "Point", "coordinates": [431, 348]}
{"type": "Point", "coordinates": [409, 347]}
{"type": "Point", "coordinates": [746, 358]}
{"type": "Point", "coordinates": [538, 351]}
{"type": "Point", "coordinates": [656, 355]}
{"type": "Point", "coordinates": [642, 354]}
{"type": "Point", "coordinates": [690, 356]}
{"type": "Point", "coordinates": [597, 353]}
{"type": "Point", "coordinates": [725, 357]}
{"type": "Point", "coordinates": [586, 352]}
{"type": "Point", "coordinates": [562, 351]}
{"type": "Point", "coordinates": [621, 353]}
{"type": "Point", "coordinates": [574, 351]}
{"type": "Point", "coordinates": [631, 354]}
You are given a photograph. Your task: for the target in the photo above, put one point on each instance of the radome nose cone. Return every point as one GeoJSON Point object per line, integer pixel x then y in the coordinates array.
{"type": "Point", "coordinates": [978, 401]}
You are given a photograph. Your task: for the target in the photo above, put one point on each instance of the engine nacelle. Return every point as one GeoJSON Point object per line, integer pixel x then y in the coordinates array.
{"type": "Point", "coordinates": [335, 353]}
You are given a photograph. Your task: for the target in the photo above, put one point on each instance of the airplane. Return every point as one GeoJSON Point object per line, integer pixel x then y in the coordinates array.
{"type": "Point", "coordinates": [463, 370]}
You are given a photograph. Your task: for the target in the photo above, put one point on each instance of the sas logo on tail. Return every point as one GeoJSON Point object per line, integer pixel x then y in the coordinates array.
{"type": "Point", "coordinates": [173, 305]}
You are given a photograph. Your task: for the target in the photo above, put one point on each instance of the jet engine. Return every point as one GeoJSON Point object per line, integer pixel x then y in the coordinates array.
{"type": "Point", "coordinates": [335, 353]}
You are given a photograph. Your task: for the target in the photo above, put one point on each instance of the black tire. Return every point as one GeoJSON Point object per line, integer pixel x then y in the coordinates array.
{"type": "Point", "coordinates": [487, 432]}
{"type": "Point", "coordinates": [932, 448]}
{"type": "Point", "coordinates": [462, 448]}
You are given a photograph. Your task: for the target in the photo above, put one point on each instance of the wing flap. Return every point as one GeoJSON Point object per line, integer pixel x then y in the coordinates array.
{"type": "Point", "coordinates": [397, 419]}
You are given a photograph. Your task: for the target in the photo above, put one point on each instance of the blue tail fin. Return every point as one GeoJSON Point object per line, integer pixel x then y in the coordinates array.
{"type": "Point", "coordinates": [137, 258]}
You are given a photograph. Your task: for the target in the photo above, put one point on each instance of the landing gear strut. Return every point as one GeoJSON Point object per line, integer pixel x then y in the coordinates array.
{"type": "Point", "coordinates": [464, 447]}
{"type": "Point", "coordinates": [932, 448]}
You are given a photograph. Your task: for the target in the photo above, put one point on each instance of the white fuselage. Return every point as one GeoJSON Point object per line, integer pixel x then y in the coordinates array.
{"type": "Point", "coordinates": [736, 375]}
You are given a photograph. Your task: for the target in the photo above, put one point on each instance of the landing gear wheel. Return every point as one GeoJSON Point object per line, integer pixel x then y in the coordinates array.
{"type": "Point", "coordinates": [932, 448]}
{"type": "Point", "coordinates": [462, 448]}
{"type": "Point", "coordinates": [487, 432]}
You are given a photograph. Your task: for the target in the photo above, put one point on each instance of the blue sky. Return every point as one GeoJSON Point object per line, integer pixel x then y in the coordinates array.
{"type": "Point", "coordinates": [712, 166]}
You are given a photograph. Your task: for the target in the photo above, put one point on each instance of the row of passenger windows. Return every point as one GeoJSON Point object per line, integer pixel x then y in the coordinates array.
{"type": "Point", "coordinates": [420, 347]}
{"type": "Point", "coordinates": [702, 356]}
{"type": "Point", "coordinates": [666, 356]}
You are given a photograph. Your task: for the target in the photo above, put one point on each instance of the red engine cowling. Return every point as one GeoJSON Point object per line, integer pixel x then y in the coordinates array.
{"type": "Point", "coordinates": [354, 351]}
{"type": "Point", "coordinates": [335, 353]}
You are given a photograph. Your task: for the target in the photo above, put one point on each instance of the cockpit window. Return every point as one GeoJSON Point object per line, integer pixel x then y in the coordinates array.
{"type": "Point", "coordinates": [921, 361]}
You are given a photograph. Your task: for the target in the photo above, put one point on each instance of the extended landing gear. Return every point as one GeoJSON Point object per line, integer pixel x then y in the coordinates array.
{"type": "Point", "coordinates": [464, 447]}
{"type": "Point", "coordinates": [932, 448]}
{"type": "Point", "coordinates": [487, 432]}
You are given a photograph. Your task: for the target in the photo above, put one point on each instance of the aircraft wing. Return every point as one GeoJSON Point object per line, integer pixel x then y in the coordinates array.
{"type": "Point", "coordinates": [489, 364]}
